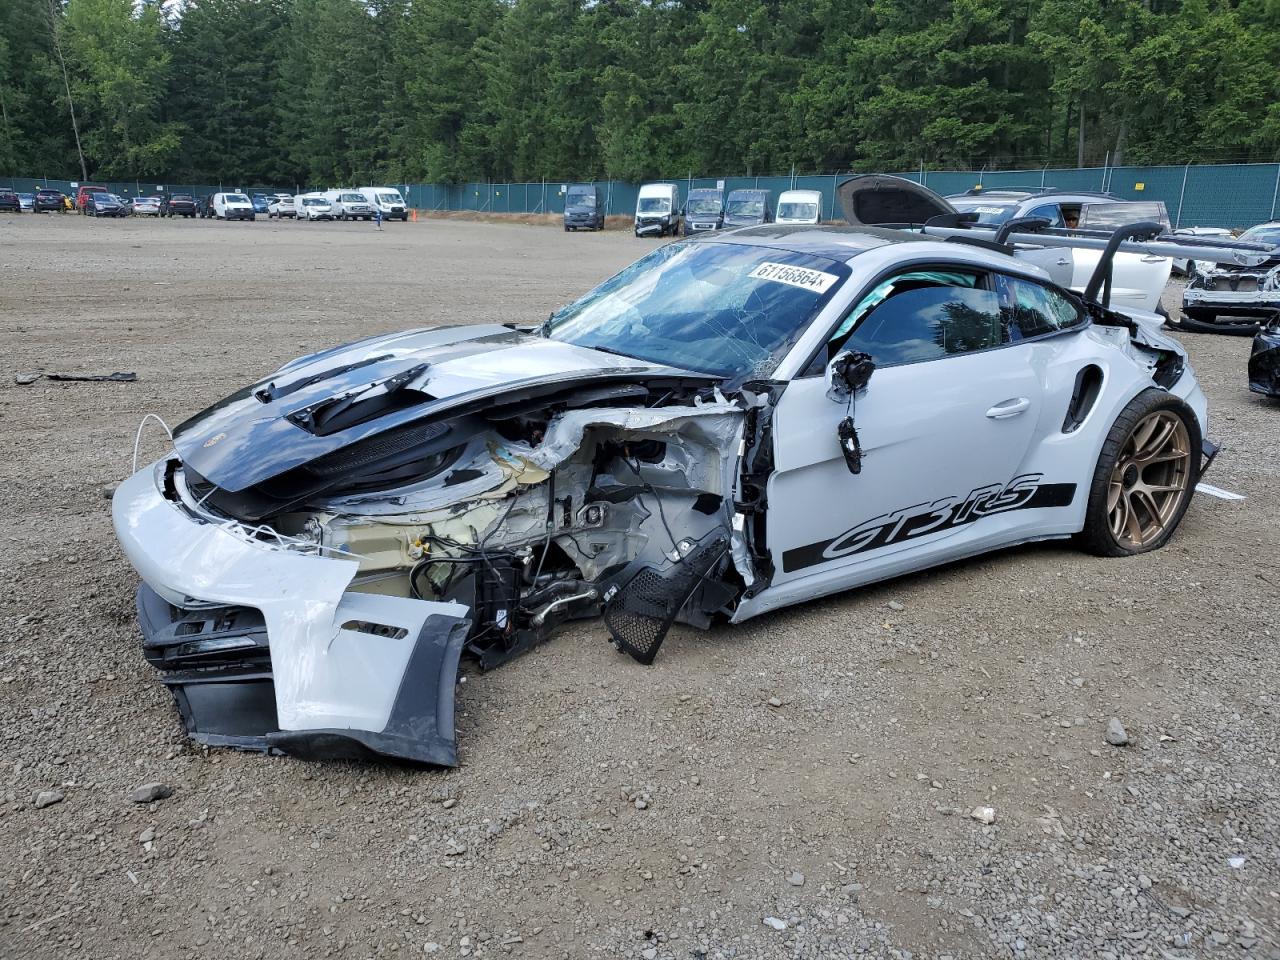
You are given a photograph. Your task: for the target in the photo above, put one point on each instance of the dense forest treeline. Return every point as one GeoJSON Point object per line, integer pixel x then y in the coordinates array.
{"type": "Point", "coordinates": [262, 91]}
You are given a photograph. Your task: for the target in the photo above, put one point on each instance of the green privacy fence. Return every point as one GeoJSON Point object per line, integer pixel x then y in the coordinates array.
{"type": "Point", "coordinates": [1219, 195]}
{"type": "Point", "coordinates": [1225, 195]}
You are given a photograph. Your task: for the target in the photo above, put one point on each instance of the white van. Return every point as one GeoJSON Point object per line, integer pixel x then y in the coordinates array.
{"type": "Point", "coordinates": [313, 206]}
{"type": "Point", "coordinates": [799, 206]}
{"type": "Point", "coordinates": [388, 200]}
{"type": "Point", "coordinates": [349, 205]}
{"type": "Point", "coordinates": [658, 209]}
{"type": "Point", "coordinates": [232, 206]}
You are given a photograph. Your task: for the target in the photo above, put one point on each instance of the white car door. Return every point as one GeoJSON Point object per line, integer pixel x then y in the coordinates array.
{"type": "Point", "coordinates": [1137, 280]}
{"type": "Point", "coordinates": [945, 425]}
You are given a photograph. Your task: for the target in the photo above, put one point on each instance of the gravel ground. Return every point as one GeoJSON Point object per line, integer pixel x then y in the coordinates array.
{"type": "Point", "coordinates": [799, 786]}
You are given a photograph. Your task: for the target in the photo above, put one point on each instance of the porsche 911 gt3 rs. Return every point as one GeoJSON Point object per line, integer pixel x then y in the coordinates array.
{"type": "Point", "coordinates": [730, 425]}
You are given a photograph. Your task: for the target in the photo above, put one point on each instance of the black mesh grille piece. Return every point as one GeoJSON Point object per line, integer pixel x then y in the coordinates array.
{"type": "Point", "coordinates": [375, 448]}
{"type": "Point", "coordinates": [647, 600]}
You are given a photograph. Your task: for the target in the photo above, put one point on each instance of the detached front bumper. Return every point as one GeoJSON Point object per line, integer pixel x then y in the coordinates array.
{"type": "Point", "coordinates": [1245, 303]}
{"type": "Point", "coordinates": [265, 647]}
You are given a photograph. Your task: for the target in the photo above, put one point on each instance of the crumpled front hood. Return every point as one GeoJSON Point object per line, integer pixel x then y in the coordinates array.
{"type": "Point", "coordinates": [271, 426]}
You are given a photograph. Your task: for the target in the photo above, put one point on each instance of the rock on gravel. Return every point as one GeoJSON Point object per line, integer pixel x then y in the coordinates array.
{"type": "Point", "coordinates": [1117, 735]}
{"type": "Point", "coordinates": [986, 815]}
{"type": "Point", "coordinates": [150, 792]}
{"type": "Point", "coordinates": [47, 798]}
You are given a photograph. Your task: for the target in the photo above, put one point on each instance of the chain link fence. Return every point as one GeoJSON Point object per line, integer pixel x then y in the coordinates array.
{"type": "Point", "coordinates": [1219, 195]}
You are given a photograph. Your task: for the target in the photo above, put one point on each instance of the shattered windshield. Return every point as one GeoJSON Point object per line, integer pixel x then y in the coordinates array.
{"type": "Point", "coordinates": [582, 200]}
{"type": "Point", "coordinates": [730, 310]}
{"type": "Point", "coordinates": [705, 206]}
{"type": "Point", "coordinates": [654, 205]}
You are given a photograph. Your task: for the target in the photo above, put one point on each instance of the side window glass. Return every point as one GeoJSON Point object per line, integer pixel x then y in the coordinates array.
{"type": "Point", "coordinates": [1050, 212]}
{"type": "Point", "coordinates": [929, 323]}
{"type": "Point", "coordinates": [1032, 310]}
{"type": "Point", "coordinates": [885, 290]}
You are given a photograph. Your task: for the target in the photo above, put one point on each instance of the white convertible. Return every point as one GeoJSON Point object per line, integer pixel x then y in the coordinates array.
{"type": "Point", "coordinates": [730, 425]}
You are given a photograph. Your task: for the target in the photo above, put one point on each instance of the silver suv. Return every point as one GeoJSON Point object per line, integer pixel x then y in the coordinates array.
{"type": "Point", "coordinates": [1139, 280]}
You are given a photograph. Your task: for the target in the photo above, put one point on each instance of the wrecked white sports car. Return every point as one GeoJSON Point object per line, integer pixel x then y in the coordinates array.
{"type": "Point", "coordinates": [728, 426]}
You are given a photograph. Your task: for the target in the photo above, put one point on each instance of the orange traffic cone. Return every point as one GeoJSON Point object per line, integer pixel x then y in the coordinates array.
{"type": "Point", "coordinates": [413, 214]}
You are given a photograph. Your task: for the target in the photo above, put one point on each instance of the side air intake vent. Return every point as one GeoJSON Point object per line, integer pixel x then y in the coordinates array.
{"type": "Point", "coordinates": [1088, 387]}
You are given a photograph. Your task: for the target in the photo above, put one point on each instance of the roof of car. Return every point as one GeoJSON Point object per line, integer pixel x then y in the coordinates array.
{"type": "Point", "coordinates": [843, 243]}
{"type": "Point", "coordinates": [834, 242]}
{"type": "Point", "coordinates": [1020, 194]}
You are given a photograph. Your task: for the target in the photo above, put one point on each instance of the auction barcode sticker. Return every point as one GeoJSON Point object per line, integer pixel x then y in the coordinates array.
{"type": "Point", "coordinates": [803, 277]}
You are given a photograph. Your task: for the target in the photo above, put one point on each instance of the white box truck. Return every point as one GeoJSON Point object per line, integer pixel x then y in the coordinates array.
{"type": "Point", "coordinates": [799, 206]}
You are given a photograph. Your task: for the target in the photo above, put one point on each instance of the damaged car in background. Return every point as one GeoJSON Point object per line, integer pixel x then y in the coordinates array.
{"type": "Point", "coordinates": [1264, 359]}
{"type": "Point", "coordinates": [728, 426]}
{"type": "Point", "coordinates": [1232, 297]}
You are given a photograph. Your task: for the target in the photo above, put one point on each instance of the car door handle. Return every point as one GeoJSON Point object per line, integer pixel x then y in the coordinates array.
{"type": "Point", "coordinates": [1008, 408]}
{"type": "Point", "coordinates": [1150, 258]}
{"type": "Point", "coordinates": [1063, 261]}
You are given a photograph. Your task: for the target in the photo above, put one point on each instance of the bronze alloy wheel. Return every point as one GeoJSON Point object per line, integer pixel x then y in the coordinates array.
{"type": "Point", "coordinates": [1150, 480]}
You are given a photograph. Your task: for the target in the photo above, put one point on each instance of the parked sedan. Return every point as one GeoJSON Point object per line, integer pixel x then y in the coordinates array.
{"type": "Point", "coordinates": [260, 202]}
{"type": "Point", "coordinates": [28, 201]}
{"type": "Point", "coordinates": [146, 206]}
{"type": "Point", "coordinates": [9, 202]}
{"type": "Point", "coordinates": [48, 201]}
{"type": "Point", "coordinates": [905, 402]}
{"type": "Point", "coordinates": [179, 205]}
{"type": "Point", "coordinates": [105, 205]}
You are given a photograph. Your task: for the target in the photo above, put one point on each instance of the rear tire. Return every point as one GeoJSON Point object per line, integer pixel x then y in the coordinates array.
{"type": "Point", "coordinates": [1145, 477]}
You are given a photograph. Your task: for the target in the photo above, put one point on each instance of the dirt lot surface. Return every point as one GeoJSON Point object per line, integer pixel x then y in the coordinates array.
{"type": "Point", "coordinates": [817, 767]}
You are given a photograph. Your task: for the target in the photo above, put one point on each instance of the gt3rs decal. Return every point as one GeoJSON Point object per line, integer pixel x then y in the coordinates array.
{"type": "Point", "coordinates": [907, 523]}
